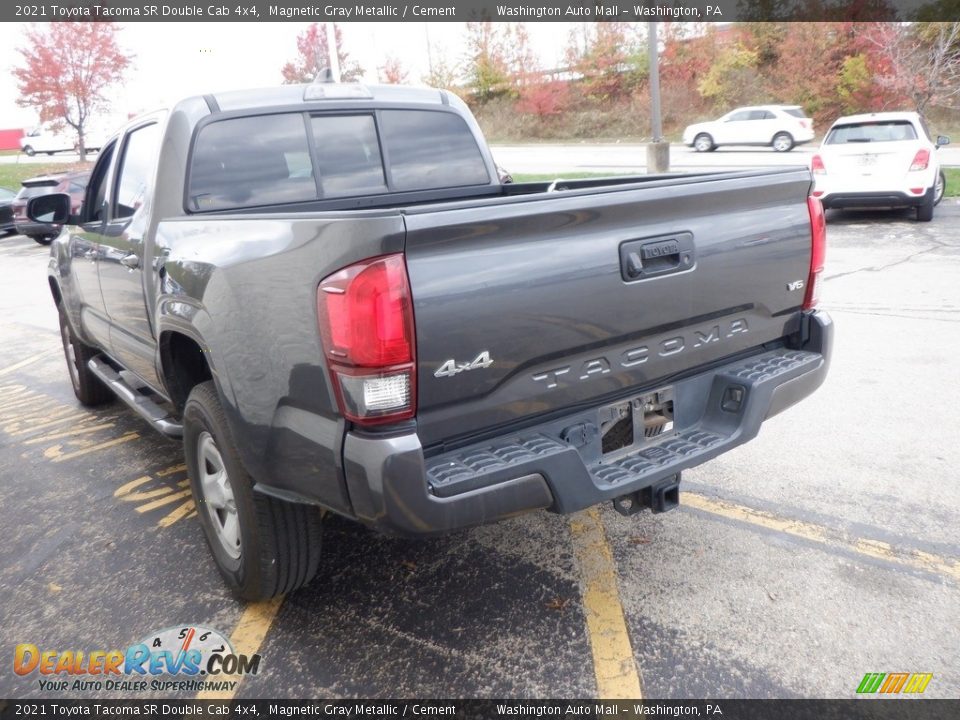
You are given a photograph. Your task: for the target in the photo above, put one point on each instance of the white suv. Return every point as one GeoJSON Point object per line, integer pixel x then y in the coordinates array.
{"type": "Point", "coordinates": [879, 160]}
{"type": "Point", "coordinates": [779, 126]}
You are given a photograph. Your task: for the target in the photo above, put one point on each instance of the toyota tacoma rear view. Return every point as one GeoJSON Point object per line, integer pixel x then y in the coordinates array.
{"type": "Point", "coordinates": [330, 296]}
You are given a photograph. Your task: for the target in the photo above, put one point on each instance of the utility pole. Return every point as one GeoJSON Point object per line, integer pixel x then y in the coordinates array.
{"type": "Point", "coordinates": [426, 30]}
{"type": "Point", "coordinates": [658, 150]}
{"type": "Point", "coordinates": [333, 51]}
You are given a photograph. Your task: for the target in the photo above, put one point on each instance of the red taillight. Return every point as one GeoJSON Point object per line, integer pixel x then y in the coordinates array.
{"type": "Point", "coordinates": [921, 160]}
{"type": "Point", "coordinates": [816, 166]}
{"type": "Point", "coordinates": [365, 313]}
{"type": "Point", "coordinates": [818, 252]}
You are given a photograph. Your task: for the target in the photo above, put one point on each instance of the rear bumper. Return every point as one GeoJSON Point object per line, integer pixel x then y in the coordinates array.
{"type": "Point", "coordinates": [877, 199]}
{"type": "Point", "coordinates": [557, 466]}
{"type": "Point", "coordinates": [32, 229]}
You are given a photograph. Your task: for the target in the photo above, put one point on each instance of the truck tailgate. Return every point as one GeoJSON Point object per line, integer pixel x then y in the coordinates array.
{"type": "Point", "coordinates": [531, 305]}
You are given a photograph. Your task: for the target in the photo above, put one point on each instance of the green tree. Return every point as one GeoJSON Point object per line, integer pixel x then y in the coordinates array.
{"type": "Point", "coordinates": [609, 57]}
{"type": "Point", "coordinates": [486, 62]}
{"type": "Point", "coordinates": [732, 78]}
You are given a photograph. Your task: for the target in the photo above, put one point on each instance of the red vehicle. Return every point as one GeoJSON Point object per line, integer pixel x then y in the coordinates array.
{"type": "Point", "coordinates": [72, 183]}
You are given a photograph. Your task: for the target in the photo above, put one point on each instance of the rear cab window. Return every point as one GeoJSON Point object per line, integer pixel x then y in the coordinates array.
{"type": "Point", "coordinates": [295, 157]}
{"type": "Point", "coordinates": [867, 132]}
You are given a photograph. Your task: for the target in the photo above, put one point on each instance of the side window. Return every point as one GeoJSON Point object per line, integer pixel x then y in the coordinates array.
{"type": "Point", "coordinates": [740, 116]}
{"type": "Point", "coordinates": [97, 187]}
{"type": "Point", "coordinates": [139, 154]}
{"type": "Point", "coordinates": [348, 154]}
{"type": "Point", "coordinates": [251, 161]}
{"type": "Point", "coordinates": [430, 149]}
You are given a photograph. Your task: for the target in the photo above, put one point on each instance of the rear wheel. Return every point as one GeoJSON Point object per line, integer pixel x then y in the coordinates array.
{"type": "Point", "coordinates": [703, 143]}
{"type": "Point", "coordinates": [43, 239]}
{"type": "Point", "coordinates": [782, 142]}
{"type": "Point", "coordinates": [262, 546]}
{"type": "Point", "coordinates": [86, 386]}
{"type": "Point", "coordinates": [939, 187]}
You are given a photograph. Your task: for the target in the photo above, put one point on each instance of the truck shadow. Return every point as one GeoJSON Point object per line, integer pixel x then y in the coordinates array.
{"type": "Point", "coordinates": [419, 617]}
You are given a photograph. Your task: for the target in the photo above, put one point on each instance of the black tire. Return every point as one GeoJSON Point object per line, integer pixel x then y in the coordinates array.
{"type": "Point", "coordinates": [29, 151]}
{"type": "Point", "coordinates": [925, 209]}
{"type": "Point", "coordinates": [277, 546]}
{"type": "Point", "coordinates": [703, 143]}
{"type": "Point", "coordinates": [86, 386]}
{"type": "Point", "coordinates": [50, 153]}
{"type": "Point", "coordinates": [42, 239]}
{"type": "Point", "coordinates": [782, 142]}
{"type": "Point", "coordinates": [939, 188]}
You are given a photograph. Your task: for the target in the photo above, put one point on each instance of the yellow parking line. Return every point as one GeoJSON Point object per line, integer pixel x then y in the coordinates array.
{"type": "Point", "coordinates": [613, 661]}
{"type": "Point", "coordinates": [915, 559]}
{"type": "Point", "coordinates": [20, 401]}
{"type": "Point", "coordinates": [55, 453]}
{"type": "Point", "coordinates": [166, 500]}
{"type": "Point", "coordinates": [247, 637]}
{"type": "Point", "coordinates": [66, 433]}
{"type": "Point", "coordinates": [78, 419]}
{"type": "Point", "coordinates": [179, 514]}
{"type": "Point", "coordinates": [28, 361]}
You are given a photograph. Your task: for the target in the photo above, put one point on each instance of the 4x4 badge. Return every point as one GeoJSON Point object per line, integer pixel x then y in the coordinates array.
{"type": "Point", "coordinates": [451, 367]}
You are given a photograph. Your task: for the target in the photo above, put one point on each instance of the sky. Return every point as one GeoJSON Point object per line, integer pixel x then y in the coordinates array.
{"type": "Point", "coordinates": [178, 59]}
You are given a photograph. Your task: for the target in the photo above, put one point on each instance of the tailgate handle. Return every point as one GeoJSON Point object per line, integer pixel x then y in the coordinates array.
{"type": "Point", "coordinates": [653, 257]}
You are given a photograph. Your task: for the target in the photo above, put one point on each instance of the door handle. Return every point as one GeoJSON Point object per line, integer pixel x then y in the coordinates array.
{"type": "Point", "coordinates": [656, 256]}
{"type": "Point", "coordinates": [131, 261]}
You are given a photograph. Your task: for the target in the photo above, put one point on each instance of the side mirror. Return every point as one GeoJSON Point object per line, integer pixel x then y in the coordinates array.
{"type": "Point", "coordinates": [942, 140]}
{"type": "Point", "coordinates": [53, 209]}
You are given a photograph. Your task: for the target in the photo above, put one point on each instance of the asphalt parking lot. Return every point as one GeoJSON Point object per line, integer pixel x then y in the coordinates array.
{"type": "Point", "coordinates": [824, 549]}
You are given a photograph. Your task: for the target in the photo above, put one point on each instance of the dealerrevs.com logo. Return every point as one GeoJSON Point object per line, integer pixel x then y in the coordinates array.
{"type": "Point", "coordinates": [894, 683]}
{"type": "Point", "coordinates": [199, 657]}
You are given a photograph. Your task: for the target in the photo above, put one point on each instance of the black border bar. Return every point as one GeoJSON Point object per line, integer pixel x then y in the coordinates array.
{"type": "Point", "coordinates": [469, 10]}
{"type": "Point", "coordinates": [874, 708]}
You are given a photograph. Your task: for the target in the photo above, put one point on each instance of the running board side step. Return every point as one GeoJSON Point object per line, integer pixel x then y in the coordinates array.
{"type": "Point", "coordinates": [141, 404]}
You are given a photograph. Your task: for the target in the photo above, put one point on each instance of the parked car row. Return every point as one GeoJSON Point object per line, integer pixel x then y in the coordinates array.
{"type": "Point", "coordinates": [6, 211]}
{"type": "Point", "coordinates": [873, 160]}
{"type": "Point", "coordinates": [73, 184]}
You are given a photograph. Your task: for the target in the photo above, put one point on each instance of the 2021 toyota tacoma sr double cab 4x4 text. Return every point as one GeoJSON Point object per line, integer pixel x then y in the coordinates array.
{"type": "Point", "coordinates": [328, 293]}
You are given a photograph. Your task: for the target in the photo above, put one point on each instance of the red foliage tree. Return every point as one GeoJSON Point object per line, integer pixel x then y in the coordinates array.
{"type": "Point", "coordinates": [606, 59]}
{"type": "Point", "coordinates": [392, 71]}
{"type": "Point", "coordinates": [313, 54]}
{"type": "Point", "coordinates": [66, 70]}
{"type": "Point", "coordinates": [544, 98]}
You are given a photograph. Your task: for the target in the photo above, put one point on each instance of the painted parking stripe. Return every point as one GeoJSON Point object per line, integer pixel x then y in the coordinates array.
{"type": "Point", "coordinates": [613, 661]}
{"type": "Point", "coordinates": [876, 549]}
{"type": "Point", "coordinates": [28, 361]}
{"type": "Point", "coordinates": [247, 637]}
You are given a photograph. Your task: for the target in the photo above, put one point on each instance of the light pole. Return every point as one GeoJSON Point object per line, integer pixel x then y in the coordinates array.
{"type": "Point", "coordinates": [658, 150]}
{"type": "Point", "coordinates": [333, 51]}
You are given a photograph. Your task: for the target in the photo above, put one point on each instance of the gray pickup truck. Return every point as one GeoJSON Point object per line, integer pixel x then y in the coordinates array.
{"type": "Point", "coordinates": [328, 294]}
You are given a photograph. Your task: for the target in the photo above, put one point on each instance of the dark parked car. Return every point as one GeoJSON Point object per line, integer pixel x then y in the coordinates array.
{"type": "Point", "coordinates": [73, 184]}
{"type": "Point", "coordinates": [6, 211]}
